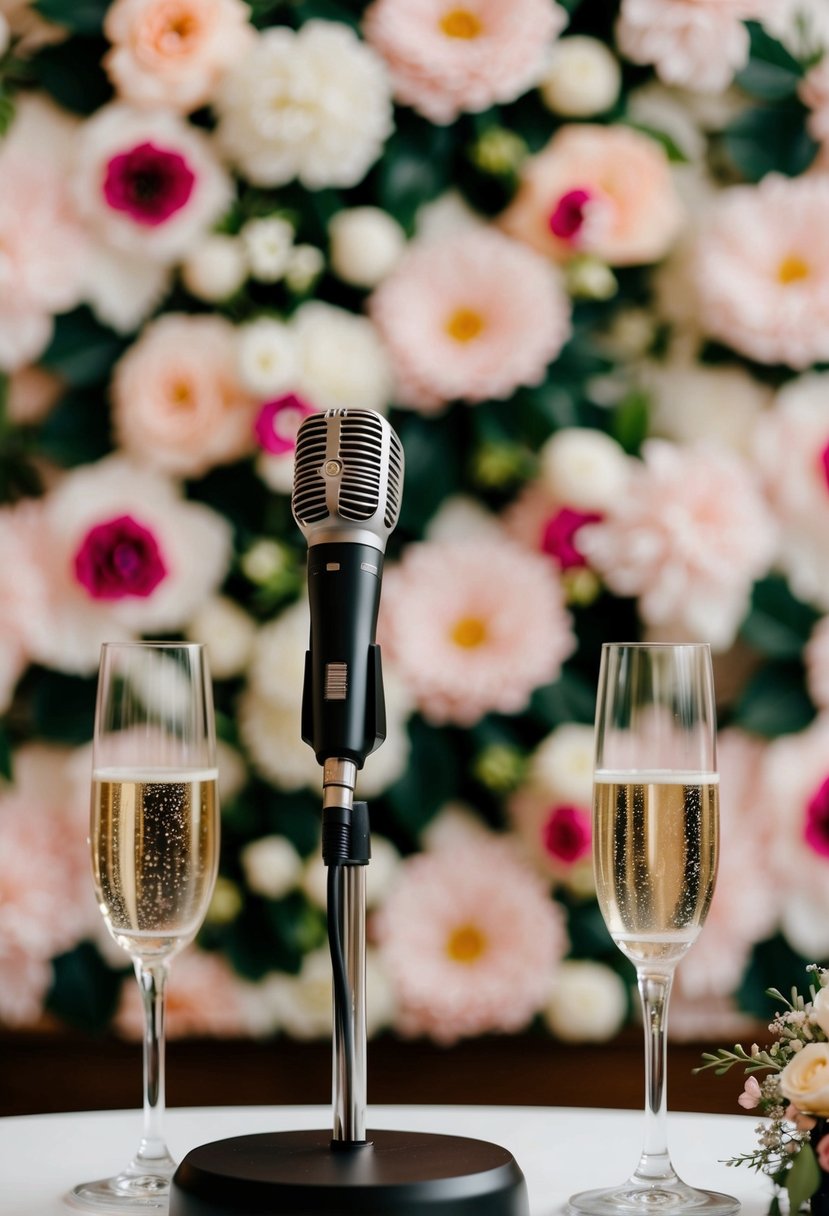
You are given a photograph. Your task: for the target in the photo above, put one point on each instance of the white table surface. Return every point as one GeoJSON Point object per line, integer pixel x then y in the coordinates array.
{"type": "Point", "coordinates": [560, 1150]}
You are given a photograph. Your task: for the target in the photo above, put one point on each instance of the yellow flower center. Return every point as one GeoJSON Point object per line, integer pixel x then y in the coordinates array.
{"type": "Point", "coordinates": [460, 23]}
{"type": "Point", "coordinates": [469, 632]}
{"type": "Point", "coordinates": [181, 395]}
{"type": "Point", "coordinates": [464, 325]}
{"type": "Point", "coordinates": [466, 944]}
{"type": "Point", "coordinates": [792, 269]}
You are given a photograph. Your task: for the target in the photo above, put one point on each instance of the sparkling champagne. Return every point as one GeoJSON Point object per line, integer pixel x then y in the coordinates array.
{"type": "Point", "coordinates": [655, 848]}
{"type": "Point", "coordinates": [155, 849]}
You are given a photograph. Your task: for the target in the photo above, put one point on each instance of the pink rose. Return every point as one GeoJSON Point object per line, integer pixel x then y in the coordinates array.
{"type": "Point", "coordinates": [566, 833]}
{"type": "Point", "coordinates": [119, 558]}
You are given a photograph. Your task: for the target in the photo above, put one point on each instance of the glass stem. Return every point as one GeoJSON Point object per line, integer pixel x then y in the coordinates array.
{"type": "Point", "coordinates": [152, 981]}
{"type": "Point", "coordinates": [655, 1163]}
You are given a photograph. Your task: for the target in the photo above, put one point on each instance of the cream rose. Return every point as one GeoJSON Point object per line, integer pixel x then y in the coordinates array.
{"type": "Point", "coordinates": [820, 1010]}
{"type": "Point", "coordinates": [805, 1079]}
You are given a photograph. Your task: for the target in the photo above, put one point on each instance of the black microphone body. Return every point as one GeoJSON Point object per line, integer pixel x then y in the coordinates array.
{"type": "Point", "coordinates": [343, 708]}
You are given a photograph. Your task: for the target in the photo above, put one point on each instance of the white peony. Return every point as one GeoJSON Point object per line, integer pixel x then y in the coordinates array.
{"type": "Point", "coordinates": [267, 354]}
{"type": "Point", "coordinates": [227, 631]}
{"type": "Point", "coordinates": [366, 244]}
{"type": "Point", "coordinates": [583, 77]}
{"type": "Point", "coordinates": [272, 866]}
{"type": "Point", "coordinates": [312, 104]}
{"type": "Point", "coordinates": [562, 764]}
{"type": "Point", "coordinates": [588, 1003]}
{"type": "Point", "coordinates": [341, 360]}
{"type": "Point", "coordinates": [268, 243]}
{"type": "Point", "coordinates": [216, 268]}
{"type": "Point", "coordinates": [584, 469]}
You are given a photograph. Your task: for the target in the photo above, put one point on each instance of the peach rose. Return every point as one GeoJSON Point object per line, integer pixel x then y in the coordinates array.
{"type": "Point", "coordinates": [601, 190]}
{"type": "Point", "coordinates": [805, 1079]}
{"type": "Point", "coordinates": [173, 53]}
{"type": "Point", "coordinates": [177, 402]}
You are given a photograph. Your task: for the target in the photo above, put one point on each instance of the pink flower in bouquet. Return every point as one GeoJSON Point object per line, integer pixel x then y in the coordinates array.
{"type": "Point", "coordinates": [794, 814]}
{"type": "Point", "coordinates": [446, 58]}
{"type": "Point", "coordinates": [471, 316]}
{"type": "Point", "coordinates": [41, 254]}
{"type": "Point", "coordinates": [474, 628]}
{"type": "Point", "coordinates": [689, 538]}
{"type": "Point", "coordinates": [120, 553]}
{"type": "Point", "coordinates": [178, 404]}
{"type": "Point", "coordinates": [602, 190]}
{"type": "Point", "coordinates": [762, 270]}
{"type": "Point", "coordinates": [466, 954]}
{"type": "Point", "coordinates": [277, 424]}
{"type": "Point", "coordinates": [173, 53]}
{"type": "Point", "coordinates": [792, 441]}
{"type": "Point", "coordinates": [46, 903]}
{"type": "Point", "coordinates": [750, 1097]}
{"type": "Point", "coordinates": [148, 184]}
{"type": "Point", "coordinates": [204, 997]}
{"type": "Point", "coordinates": [748, 896]}
{"type": "Point", "coordinates": [695, 44]}
{"type": "Point", "coordinates": [816, 658]}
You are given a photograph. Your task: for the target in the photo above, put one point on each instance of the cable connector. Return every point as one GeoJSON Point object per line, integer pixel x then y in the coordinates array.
{"type": "Point", "coordinates": [346, 835]}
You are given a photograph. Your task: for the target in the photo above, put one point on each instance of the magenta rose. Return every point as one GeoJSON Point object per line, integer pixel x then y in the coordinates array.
{"type": "Point", "coordinates": [824, 460]}
{"type": "Point", "coordinates": [148, 183]}
{"type": "Point", "coordinates": [278, 422]}
{"type": "Point", "coordinates": [816, 831]}
{"type": "Point", "coordinates": [566, 834]}
{"type": "Point", "coordinates": [559, 535]}
{"type": "Point", "coordinates": [119, 558]}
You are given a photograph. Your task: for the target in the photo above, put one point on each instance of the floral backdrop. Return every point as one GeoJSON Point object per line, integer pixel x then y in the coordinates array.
{"type": "Point", "coordinates": [579, 253]}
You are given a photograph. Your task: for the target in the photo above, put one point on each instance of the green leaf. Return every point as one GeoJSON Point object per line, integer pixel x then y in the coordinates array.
{"type": "Point", "coordinates": [803, 1179]}
{"type": "Point", "coordinates": [570, 699]}
{"type": "Point", "coordinates": [771, 139]}
{"type": "Point", "coordinates": [630, 421]}
{"type": "Point", "coordinates": [778, 624]}
{"type": "Point", "coordinates": [77, 430]}
{"type": "Point", "coordinates": [6, 772]}
{"type": "Point", "coordinates": [433, 466]}
{"type": "Point", "coordinates": [7, 109]}
{"type": "Point", "coordinates": [79, 16]}
{"type": "Point", "coordinates": [84, 990]}
{"type": "Point", "coordinates": [62, 706]}
{"type": "Point", "coordinates": [775, 701]}
{"type": "Point", "coordinates": [669, 145]}
{"type": "Point", "coordinates": [772, 962]}
{"type": "Point", "coordinates": [431, 779]}
{"type": "Point", "coordinates": [772, 72]}
{"type": "Point", "coordinates": [82, 350]}
{"type": "Point", "coordinates": [416, 167]}
{"type": "Point", "coordinates": [71, 72]}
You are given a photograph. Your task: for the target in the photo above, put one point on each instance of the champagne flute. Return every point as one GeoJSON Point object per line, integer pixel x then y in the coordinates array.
{"type": "Point", "coordinates": [655, 849]}
{"type": "Point", "coordinates": [155, 845]}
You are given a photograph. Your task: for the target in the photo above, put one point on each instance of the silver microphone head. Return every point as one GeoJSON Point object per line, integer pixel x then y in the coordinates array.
{"type": "Point", "coordinates": [348, 477]}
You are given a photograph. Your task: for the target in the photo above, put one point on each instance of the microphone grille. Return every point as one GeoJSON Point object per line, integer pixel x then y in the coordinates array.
{"type": "Point", "coordinates": [361, 451]}
{"type": "Point", "coordinates": [309, 503]}
{"type": "Point", "coordinates": [395, 485]}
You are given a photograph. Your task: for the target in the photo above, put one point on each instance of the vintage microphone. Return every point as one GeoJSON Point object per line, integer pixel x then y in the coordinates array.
{"type": "Point", "coordinates": [348, 482]}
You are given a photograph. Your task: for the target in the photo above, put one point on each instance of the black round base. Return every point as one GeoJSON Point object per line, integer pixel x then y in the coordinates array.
{"type": "Point", "coordinates": [396, 1174]}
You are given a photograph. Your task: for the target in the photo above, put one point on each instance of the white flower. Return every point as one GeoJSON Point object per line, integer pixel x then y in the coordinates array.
{"type": "Point", "coordinates": [588, 1003]}
{"type": "Point", "coordinates": [268, 244]}
{"type": "Point", "coordinates": [583, 468]}
{"type": "Point", "coordinates": [805, 1079]}
{"type": "Point", "coordinates": [461, 517]}
{"type": "Point", "coordinates": [563, 763]}
{"type": "Point", "coordinates": [121, 288]}
{"type": "Point", "coordinates": [267, 357]}
{"type": "Point", "coordinates": [692, 401]}
{"type": "Point", "coordinates": [305, 265]}
{"type": "Point", "coordinates": [312, 104]}
{"type": "Point", "coordinates": [276, 470]}
{"type": "Point", "coordinates": [820, 1010]}
{"type": "Point", "coordinates": [271, 734]}
{"type": "Point", "coordinates": [342, 362]}
{"type": "Point", "coordinates": [263, 561]}
{"type": "Point", "coordinates": [271, 865]}
{"type": "Point", "coordinates": [583, 77]}
{"type": "Point", "coordinates": [216, 268]}
{"type": "Point", "coordinates": [366, 243]}
{"type": "Point", "coordinates": [302, 1005]}
{"type": "Point", "coordinates": [148, 183]}
{"type": "Point", "coordinates": [228, 633]}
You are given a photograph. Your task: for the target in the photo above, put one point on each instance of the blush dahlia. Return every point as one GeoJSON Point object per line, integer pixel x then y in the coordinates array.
{"type": "Point", "coordinates": [119, 558]}
{"type": "Point", "coordinates": [148, 183]}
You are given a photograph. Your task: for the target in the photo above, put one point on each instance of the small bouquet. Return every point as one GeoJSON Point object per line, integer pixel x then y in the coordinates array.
{"type": "Point", "coordinates": [793, 1140]}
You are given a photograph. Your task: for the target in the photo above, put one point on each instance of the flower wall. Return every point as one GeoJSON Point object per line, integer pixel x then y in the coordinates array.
{"type": "Point", "coordinates": [579, 254]}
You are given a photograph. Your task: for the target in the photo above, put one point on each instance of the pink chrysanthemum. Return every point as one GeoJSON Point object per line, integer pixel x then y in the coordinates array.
{"type": "Point", "coordinates": [762, 270]}
{"type": "Point", "coordinates": [178, 403]}
{"type": "Point", "coordinates": [793, 809]}
{"type": "Point", "coordinates": [446, 57]}
{"type": "Point", "coordinates": [695, 44]}
{"type": "Point", "coordinates": [471, 316]}
{"type": "Point", "coordinates": [204, 997]}
{"type": "Point", "coordinates": [603, 190]}
{"type": "Point", "coordinates": [689, 538]}
{"type": "Point", "coordinates": [792, 447]}
{"type": "Point", "coordinates": [46, 903]}
{"type": "Point", "coordinates": [474, 628]}
{"type": "Point", "coordinates": [468, 955]}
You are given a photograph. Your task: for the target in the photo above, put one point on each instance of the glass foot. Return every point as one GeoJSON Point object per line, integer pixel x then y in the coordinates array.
{"type": "Point", "coordinates": [660, 1196]}
{"type": "Point", "coordinates": [137, 1189]}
